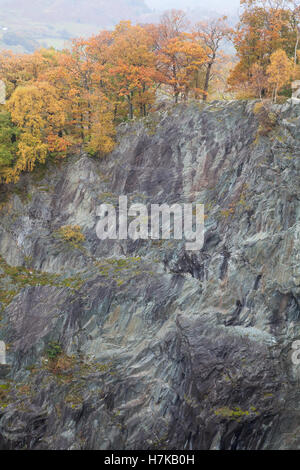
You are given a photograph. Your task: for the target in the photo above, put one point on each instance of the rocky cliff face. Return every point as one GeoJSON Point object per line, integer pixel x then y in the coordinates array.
{"type": "Point", "coordinates": [157, 347]}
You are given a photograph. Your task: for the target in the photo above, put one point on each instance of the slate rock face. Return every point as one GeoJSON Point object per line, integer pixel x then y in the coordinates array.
{"type": "Point", "coordinates": [158, 347]}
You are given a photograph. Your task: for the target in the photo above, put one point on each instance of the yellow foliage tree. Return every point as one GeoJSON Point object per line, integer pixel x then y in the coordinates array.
{"type": "Point", "coordinates": [279, 71]}
{"type": "Point", "coordinates": [102, 131]}
{"type": "Point", "coordinates": [40, 117]}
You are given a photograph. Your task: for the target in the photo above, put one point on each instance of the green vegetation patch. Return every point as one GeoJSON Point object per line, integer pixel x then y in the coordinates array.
{"type": "Point", "coordinates": [121, 269]}
{"type": "Point", "coordinates": [54, 350]}
{"type": "Point", "coordinates": [71, 234]}
{"type": "Point", "coordinates": [4, 395]}
{"type": "Point", "coordinates": [235, 413]}
{"type": "Point", "coordinates": [19, 277]}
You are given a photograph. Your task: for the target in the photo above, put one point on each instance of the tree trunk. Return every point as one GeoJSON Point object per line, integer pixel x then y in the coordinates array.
{"type": "Point", "coordinates": [276, 91]}
{"type": "Point", "coordinates": [129, 97]}
{"type": "Point", "coordinates": [207, 78]}
{"type": "Point", "coordinates": [115, 112]}
{"type": "Point", "coordinates": [197, 83]}
{"type": "Point", "coordinates": [297, 43]}
{"type": "Point", "coordinates": [81, 127]}
{"type": "Point", "coordinates": [130, 110]}
{"type": "Point", "coordinates": [176, 92]}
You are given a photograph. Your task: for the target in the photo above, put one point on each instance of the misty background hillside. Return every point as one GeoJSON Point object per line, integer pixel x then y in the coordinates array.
{"type": "Point", "coordinates": [26, 25]}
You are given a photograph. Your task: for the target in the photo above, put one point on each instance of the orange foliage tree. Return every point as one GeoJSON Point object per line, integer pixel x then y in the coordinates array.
{"type": "Point", "coordinates": [179, 55]}
{"type": "Point", "coordinates": [132, 70]}
{"type": "Point", "coordinates": [265, 26]}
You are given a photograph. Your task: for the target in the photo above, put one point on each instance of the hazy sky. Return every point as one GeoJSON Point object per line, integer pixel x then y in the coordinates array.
{"type": "Point", "coordinates": [217, 5]}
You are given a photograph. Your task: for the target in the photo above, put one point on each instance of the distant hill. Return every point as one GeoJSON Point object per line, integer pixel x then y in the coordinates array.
{"type": "Point", "coordinates": [96, 12]}
{"type": "Point", "coordinates": [28, 24]}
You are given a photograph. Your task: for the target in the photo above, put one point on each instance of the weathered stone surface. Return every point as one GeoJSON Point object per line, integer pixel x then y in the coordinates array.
{"type": "Point", "coordinates": [170, 349]}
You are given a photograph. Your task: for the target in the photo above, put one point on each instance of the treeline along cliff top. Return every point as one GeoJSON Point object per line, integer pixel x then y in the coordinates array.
{"type": "Point", "coordinates": [75, 97]}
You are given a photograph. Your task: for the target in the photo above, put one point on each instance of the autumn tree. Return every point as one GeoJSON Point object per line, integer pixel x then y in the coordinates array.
{"type": "Point", "coordinates": [179, 55]}
{"type": "Point", "coordinates": [21, 69]}
{"type": "Point", "coordinates": [9, 134]}
{"type": "Point", "coordinates": [103, 131]}
{"type": "Point", "coordinates": [78, 81]}
{"type": "Point", "coordinates": [132, 71]}
{"type": "Point", "coordinates": [279, 71]}
{"type": "Point", "coordinates": [218, 87]}
{"type": "Point", "coordinates": [74, 82]}
{"type": "Point", "coordinates": [166, 36]}
{"type": "Point", "coordinates": [39, 117]}
{"type": "Point", "coordinates": [180, 59]}
{"type": "Point", "coordinates": [100, 61]}
{"type": "Point", "coordinates": [265, 26]}
{"type": "Point", "coordinates": [211, 34]}
{"type": "Point", "coordinates": [258, 80]}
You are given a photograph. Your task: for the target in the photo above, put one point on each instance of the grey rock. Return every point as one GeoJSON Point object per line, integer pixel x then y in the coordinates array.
{"type": "Point", "coordinates": [167, 349]}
